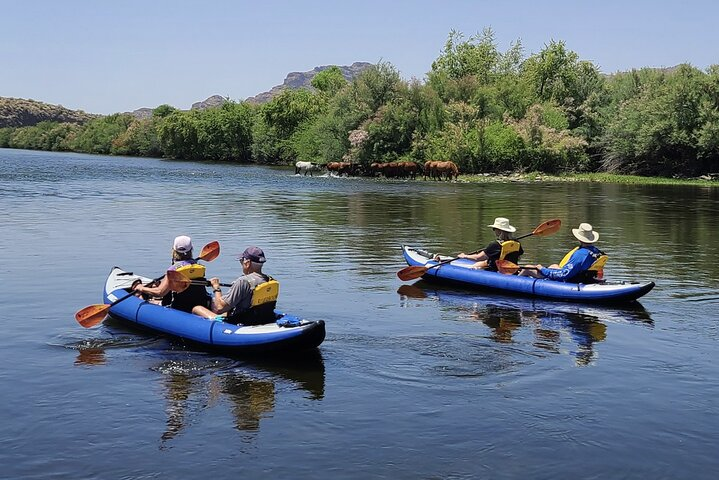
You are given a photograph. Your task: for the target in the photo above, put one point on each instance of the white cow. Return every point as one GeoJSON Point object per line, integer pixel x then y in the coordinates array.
{"type": "Point", "coordinates": [306, 167]}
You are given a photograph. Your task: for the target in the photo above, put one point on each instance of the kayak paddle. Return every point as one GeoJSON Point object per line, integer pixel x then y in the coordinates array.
{"type": "Point", "coordinates": [410, 273]}
{"type": "Point", "coordinates": [94, 314]}
{"type": "Point", "coordinates": [179, 282]}
{"type": "Point", "coordinates": [510, 268]}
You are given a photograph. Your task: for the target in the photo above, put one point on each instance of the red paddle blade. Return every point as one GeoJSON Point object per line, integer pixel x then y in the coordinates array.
{"type": "Point", "coordinates": [210, 251]}
{"type": "Point", "coordinates": [178, 282]}
{"type": "Point", "coordinates": [507, 267]}
{"type": "Point", "coordinates": [547, 228]}
{"type": "Point", "coordinates": [410, 273]}
{"type": "Point", "coordinates": [92, 315]}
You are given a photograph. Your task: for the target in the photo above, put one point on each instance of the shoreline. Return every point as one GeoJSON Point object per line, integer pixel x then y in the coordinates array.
{"type": "Point", "coordinates": [536, 177]}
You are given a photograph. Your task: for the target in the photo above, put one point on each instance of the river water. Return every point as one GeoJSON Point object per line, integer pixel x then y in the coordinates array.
{"type": "Point", "coordinates": [413, 380]}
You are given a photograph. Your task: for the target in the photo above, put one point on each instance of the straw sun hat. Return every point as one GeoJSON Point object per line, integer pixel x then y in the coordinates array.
{"type": "Point", "coordinates": [501, 223]}
{"type": "Point", "coordinates": [585, 233]}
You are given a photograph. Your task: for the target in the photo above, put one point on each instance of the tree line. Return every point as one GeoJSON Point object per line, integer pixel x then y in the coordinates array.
{"type": "Point", "coordinates": [485, 109]}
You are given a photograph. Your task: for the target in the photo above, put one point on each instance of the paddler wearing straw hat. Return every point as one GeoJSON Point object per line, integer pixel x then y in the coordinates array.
{"type": "Point", "coordinates": [497, 249]}
{"type": "Point", "coordinates": [576, 264]}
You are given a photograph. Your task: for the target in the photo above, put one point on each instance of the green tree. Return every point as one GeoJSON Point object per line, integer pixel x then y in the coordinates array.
{"type": "Point", "coordinates": [225, 133]}
{"type": "Point", "coordinates": [477, 57]}
{"type": "Point", "coordinates": [178, 134]}
{"type": "Point", "coordinates": [97, 135]}
{"type": "Point", "coordinates": [140, 139]}
{"type": "Point", "coordinates": [280, 119]}
{"type": "Point", "coordinates": [329, 81]}
{"type": "Point", "coordinates": [163, 110]}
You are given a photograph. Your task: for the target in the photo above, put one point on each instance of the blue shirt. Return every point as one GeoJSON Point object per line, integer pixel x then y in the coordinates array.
{"type": "Point", "coordinates": [579, 262]}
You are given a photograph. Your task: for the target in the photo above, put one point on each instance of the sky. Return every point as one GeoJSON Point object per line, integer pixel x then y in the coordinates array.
{"type": "Point", "coordinates": [117, 56]}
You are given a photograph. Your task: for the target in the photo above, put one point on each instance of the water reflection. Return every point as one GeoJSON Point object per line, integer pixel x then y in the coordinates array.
{"type": "Point", "coordinates": [555, 326]}
{"type": "Point", "coordinates": [249, 390]}
{"type": "Point", "coordinates": [90, 356]}
{"type": "Point", "coordinates": [193, 384]}
{"type": "Point", "coordinates": [91, 351]}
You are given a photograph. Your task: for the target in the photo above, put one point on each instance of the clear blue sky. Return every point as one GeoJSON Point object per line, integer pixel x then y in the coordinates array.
{"type": "Point", "coordinates": [114, 56]}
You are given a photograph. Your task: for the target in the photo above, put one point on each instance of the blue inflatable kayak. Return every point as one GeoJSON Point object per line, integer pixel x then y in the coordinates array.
{"type": "Point", "coordinates": [287, 334]}
{"type": "Point", "coordinates": [458, 271]}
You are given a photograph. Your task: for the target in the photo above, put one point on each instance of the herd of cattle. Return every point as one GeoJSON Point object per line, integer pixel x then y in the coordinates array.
{"type": "Point", "coordinates": [431, 169]}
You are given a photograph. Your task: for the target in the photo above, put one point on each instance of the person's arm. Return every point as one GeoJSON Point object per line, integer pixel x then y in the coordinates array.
{"type": "Point", "coordinates": [477, 257]}
{"type": "Point", "coordinates": [159, 291]}
{"type": "Point", "coordinates": [569, 270]}
{"type": "Point", "coordinates": [482, 255]}
{"type": "Point", "coordinates": [219, 302]}
{"type": "Point", "coordinates": [239, 292]}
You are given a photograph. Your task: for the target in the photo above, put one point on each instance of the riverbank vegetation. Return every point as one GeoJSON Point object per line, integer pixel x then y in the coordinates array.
{"type": "Point", "coordinates": [487, 110]}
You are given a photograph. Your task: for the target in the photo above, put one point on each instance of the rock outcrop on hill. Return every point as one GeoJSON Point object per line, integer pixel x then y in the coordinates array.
{"type": "Point", "coordinates": [304, 79]}
{"type": "Point", "coordinates": [211, 102]}
{"type": "Point", "coordinates": [19, 112]}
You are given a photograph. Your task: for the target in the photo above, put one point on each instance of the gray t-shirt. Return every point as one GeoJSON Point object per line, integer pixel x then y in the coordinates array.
{"type": "Point", "coordinates": [240, 294]}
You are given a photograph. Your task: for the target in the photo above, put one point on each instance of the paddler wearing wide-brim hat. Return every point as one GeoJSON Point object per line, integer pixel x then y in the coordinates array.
{"type": "Point", "coordinates": [576, 264]}
{"type": "Point", "coordinates": [487, 257]}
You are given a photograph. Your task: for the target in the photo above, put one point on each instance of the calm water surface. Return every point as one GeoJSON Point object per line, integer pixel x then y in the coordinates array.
{"type": "Point", "coordinates": [413, 380]}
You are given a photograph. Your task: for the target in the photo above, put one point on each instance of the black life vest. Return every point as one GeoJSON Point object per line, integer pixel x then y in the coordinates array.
{"type": "Point", "coordinates": [194, 294]}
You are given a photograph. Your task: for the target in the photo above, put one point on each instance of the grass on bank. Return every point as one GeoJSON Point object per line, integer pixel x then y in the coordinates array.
{"type": "Point", "coordinates": [589, 177]}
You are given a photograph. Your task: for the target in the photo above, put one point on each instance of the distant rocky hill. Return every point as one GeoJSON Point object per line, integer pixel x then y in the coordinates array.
{"type": "Point", "coordinates": [304, 79]}
{"type": "Point", "coordinates": [211, 102]}
{"type": "Point", "coordinates": [18, 112]}
{"type": "Point", "coordinates": [141, 113]}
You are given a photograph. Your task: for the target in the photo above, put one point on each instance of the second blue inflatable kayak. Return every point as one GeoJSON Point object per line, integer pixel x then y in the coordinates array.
{"type": "Point", "coordinates": [458, 271]}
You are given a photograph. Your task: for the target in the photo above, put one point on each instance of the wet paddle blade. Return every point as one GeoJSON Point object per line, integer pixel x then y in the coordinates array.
{"type": "Point", "coordinates": [507, 267]}
{"type": "Point", "coordinates": [92, 315]}
{"type": "Point", "coordinates": [210, 251]}
{"type": "Point", "coordinates": [177, 281]}
{"type": "Point", "coordinates": [410, 273]}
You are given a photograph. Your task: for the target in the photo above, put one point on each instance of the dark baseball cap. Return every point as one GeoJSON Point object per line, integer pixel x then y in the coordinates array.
{"type": "Point", "coordinates": [254, 254]}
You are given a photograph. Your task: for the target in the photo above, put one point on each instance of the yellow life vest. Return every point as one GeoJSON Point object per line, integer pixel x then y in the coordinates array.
{"type": "Point", "coordinates": [265, 292]}
{"type": "Point", "coordinates": [193, 272]}
{"type": "Point", "coordinates": [509, 246]}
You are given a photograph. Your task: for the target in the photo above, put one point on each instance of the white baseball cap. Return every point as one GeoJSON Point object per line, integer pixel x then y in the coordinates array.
{"type": "Point", "coordinates": [182, 244]}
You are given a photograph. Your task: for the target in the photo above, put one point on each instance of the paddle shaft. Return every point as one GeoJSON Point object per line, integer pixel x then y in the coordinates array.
{"type": "Point", "coordinates": [133, 292]}
{"type": "Point", "coordinates": [207, 283]}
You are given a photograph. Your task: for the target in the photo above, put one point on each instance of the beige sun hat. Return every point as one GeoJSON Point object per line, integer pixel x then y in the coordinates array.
{"type": "Point", "coordinates": [585, 233]}
{"type": "Point", "coordinates": [501, 223]}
